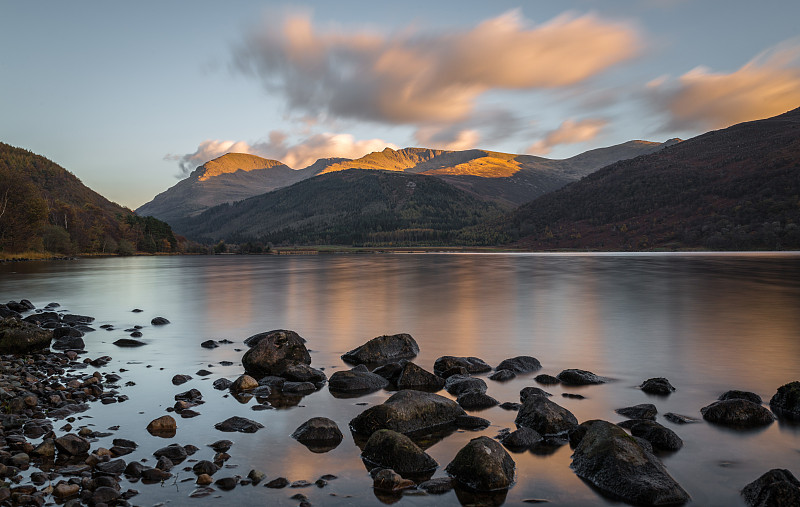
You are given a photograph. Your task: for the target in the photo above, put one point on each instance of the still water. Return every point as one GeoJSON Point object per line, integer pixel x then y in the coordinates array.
{"type": "Point", "coordinates": [708, 323]}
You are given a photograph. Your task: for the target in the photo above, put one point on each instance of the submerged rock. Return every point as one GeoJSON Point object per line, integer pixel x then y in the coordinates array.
{"type": "Point", "coordinates": [680, 419]}
{"type": "Point", "coordinates": [776, 488]}
{"type": "Point", "coordinates": [520, 364]}
{"type": "Point", "coordinates": [159, 321]}
{"type": "Point", "coordinates": [660, 437]}
{"type": "Point", "coordinates": [532, 391]}
{"type": "Point", "coordinates": [383, 349]}
{"type": "Point", "coordinates": [740, 395]}
{"type": "Point", "coordinates": [546, 379]}
{"type": "Point", "coordinates": [19, 337]}
{"type": "Point", "coordinates": [617, 465]}
{"type": "Point", "coordinates": [460, 384]}
{"type": "Point", "coordinates": [737, 413]}
{"type": "Point", "coordinates": [786, 402]}
{"type": "Point", "coordinates": [502, 375]}
{"type": "Point", "coordinates": [658, 385]}
{"type": "Point", "coordinates": [387, 479]}
{"type": "Point", "coordinates": [413, 377]}
{"type": "Point", "coordinates": [163, 426]}
{"type": "Point", "coordinates": [544, 416]}
{"type": "Point", "coordinates": [301, 372]}
{"type": "Point", "coordinates": [408, 412]}
{"type": "Point", "coordinates": [359, 380]}
{"type": "Point", "coordinates": [390, 449]}
{"type": "Point", "coordinates": [483, 465]}
{"type": "Point", "coordinates": [520, 439]}
{"type": "Point", "coordinates": [471, 364]}
{"type": "Point", "coordinates": [476, 401]}
{"type": "Point", "coordinates": [575, 377]}
{"type": "Point", "coordinates": [271, 353]}
{"type": "Point", "coordinates": [240, 424]}
{"type": "Point", "coordinates": [319, 434]}
{"type": "Point", "coordinates": [129, 342]}
{"type": "Point", "coordinates": [642, 411]}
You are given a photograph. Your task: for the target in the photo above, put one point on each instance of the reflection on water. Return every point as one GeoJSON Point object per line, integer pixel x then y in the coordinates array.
{"type": "Point", "coordinates": [709, 323]}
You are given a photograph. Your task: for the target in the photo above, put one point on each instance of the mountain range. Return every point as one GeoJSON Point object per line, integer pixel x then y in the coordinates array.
{"type": "Point", "coordinates": [506, 179]}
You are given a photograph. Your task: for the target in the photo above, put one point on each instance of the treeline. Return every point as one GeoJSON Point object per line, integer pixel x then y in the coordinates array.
{"type": "Point", "coordinates": [44, 207]}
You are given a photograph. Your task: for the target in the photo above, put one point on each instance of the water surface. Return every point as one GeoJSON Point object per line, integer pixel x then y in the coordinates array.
{"type": "Point", "coordinates": [708, 323]}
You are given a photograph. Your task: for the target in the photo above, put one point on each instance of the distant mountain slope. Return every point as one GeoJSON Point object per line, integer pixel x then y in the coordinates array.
{"type": "Point", "coordinates": [231, 177]}
{"type": "Point", "coordinates": [346, 208]}
{"type": "Point", "coordinates": [505, 178]}
{"type": "Point", "coordinates": [731, 189]}
{"type": "Point", "coordinates": [44, 206]}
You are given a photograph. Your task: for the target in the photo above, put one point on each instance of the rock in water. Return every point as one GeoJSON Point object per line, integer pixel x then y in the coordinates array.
{"type": "Point", "coordinates": [776, 488]}
{"type": "Point", "coordinates": [740, 395]}
{"type": "Point", "coordinates": [643, 411]}
{"type": "Point", "coordinates": [413, 377]}
{"type": "Point", "coordinates": [737, 413]}
{"type": "Point", "coordinates": [359, 380]}
{"type": "Point", "coordinates": [240, 424]}
{"type": "Point", "coordinates": [574, 377]}
{"type": "Point", "coordinates": [390, 449]}
{"type": "Point", "coordinates": [460, 384]}
{"type": "Point", "coordinates": [471, 364]}
{"type": "Point", "coordinates": [319, 434]}
{"type": "Point", "coordinates": [273, 352]}
{"type": "Point", "coordinates": [164, 427]}
{"type": "Point", "coordinates": [483, 465]}
{"type": "Point", "coordinates": [659, 385]}
{"type": "Point", "coordinates": [546, 417]}
{"type": "Point", "coordinates": [520, 364]}
{"type": "Point", "coordinates": [660, 437]}
{"type": "Point", "coordinates": [384, 349]}
{"type": "Point", "coordinates": [616, 464]}
{"type": "Point", "coordinates": [407, 412]}
{"type": "Point", "coordinates": [786, 402]}
{"type": "Point", "coordinates": [19, 337]}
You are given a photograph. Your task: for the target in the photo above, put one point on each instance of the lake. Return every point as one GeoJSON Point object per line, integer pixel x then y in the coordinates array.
{"type": "Point", "coordinates": [707, 322]}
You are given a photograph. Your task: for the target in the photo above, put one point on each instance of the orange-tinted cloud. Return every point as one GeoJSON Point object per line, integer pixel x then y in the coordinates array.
{"type": "Point", "coordinates": [765, 86]}
{"type": "Point", "coordinates": [276, 147]}
{"type": "Point", "coordinates": [424, 78]}
{"type": "Point", "coordinates": [569, 132]}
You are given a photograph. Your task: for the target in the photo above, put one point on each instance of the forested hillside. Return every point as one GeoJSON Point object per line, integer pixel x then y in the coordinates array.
{"type": "Point", "coordinates": [44, 207]}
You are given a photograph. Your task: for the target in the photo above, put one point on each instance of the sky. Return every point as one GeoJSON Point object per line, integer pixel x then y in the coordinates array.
{"type": "Point", "coordinates": [133, 96]}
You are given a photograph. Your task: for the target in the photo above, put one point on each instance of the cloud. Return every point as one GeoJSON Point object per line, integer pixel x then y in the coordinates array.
{"type": "Point", "coordinates": [423, 78]}
{"type": "Point", "coordinates": [569, 132]}
{"type": "Point", "coordinates": [276, 147]}
{"type": "Point", "coordinates": [455, 139]}
{"type": "Point", "coordinates": [765, 86]}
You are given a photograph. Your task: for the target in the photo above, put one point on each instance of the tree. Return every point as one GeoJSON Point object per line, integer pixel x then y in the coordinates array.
{"type": "Point", "coordinates": [220, 247]}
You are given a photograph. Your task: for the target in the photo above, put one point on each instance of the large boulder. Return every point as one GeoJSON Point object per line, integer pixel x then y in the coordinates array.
{"type": "Point", "coordinates": [786, 402]}
{"type": "Point", "coordinates": [318, 434]}
{"type": "Point", "coordinates": [383, 349]}
{"type": "Point", "coordinates": [359, 380]}
{"type": "Point", "coordinates": [408, 412]}
{"type": "Point", "coordinates": [390, 449]}
{"type": "Point", "coordinates": [414, 377]}
{"type": "Point", "coordinates": [737, 413]}
{"type": "Point", "coordinates": [471, 364]}
{"type": "Point", "coordinates": [546, 417]}
{"type": "Point", "coordinates": [575, 377]}
{"type": "Point", "coordinates": [617, 465]}
{"type": "Point", "coordinates": [776, 488]}
{"type": "Point", "coordinates": [483, 465]}
{"type": "Point", "coordinates": [20, 337]}
{"type": "Point", "coordinates": [520, 364]}
{"type": "Point", "coordinates": [271, 353]}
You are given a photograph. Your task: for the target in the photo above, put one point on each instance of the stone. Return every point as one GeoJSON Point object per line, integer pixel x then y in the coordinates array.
{"type": "Point", "coordinates": [297, 388]}
{"type": "Point", "coordinates": [68, 343]}
{"type": "Point", "coordinates": [272, 352]}
{"type": "Point", "coordinates": [357, 380]}
{"type": "Point", "coordinates": [658, 385]}
{"type": "Point", "coordinates": [129, 342]}
{"type": "Point", "coordinates": [520, 439]}
{"type": "Point", "coordinates": [460, 384]}
{"type": "Point", "coordinates": [64, 490]}
{"type": "Point", "coordinates": [390, 449]}
{"type": "Point", "coordinates": [318, 434]}
{"type": "Point", "coordinates": [209, 344]}
{"type": "Point", "coordinates": [471, 364]}
{"type": "Point", "coordinates": [660, 437]}
{"type": "Point", "coordinates": [437, 486]}
{"type": "Point", "coordinates": [388, 480]}
{"type": "Point", "coordinates": [278, 483]}
{"type": "Point", "coordinates": [786, 401]}
{"type": "Point", "coordinates": [159, 321]}
{"type": "Point", "coordinates": [502, 375]}
{"type": "Point", "coordinates": [383, 349]}
{"type": "Point", "coordinates": [471, 422]}
{"type": "Point", "coordinates": [520, 364]}
{"type": "Point", "coordinates": [155, 475]}
{"type": "Point", "coordinates": [72, 445]}
{"type": "Point", "coordinates": [204, 467]}
{"type": "Point", "coordinates": [113, 467]}
{"type": "Point", "coordinates": [204, 480]}
{"type": "Point", "coordinates": [222, 384]}
{"type": "Point", "coordinates": [737, 413]}
{"type": "Point", "coordinates": [618, 466]}
{"type": "Point", "coordinates": [164, 426]}
{"type": "Point", "coordinates": [575, 377]}
{"type": "Point", "coordinates": [547, 380]}
{"type": "Point", "coordinates": [238, 424]}
{"type": "Point", "coordinates": [483, 465]}
{"type": "Point", "coordinates": [642, 411]}
{"type": "Point", "coordinates": [244, 383]}
{"type": "Point", "coordinates": [301, 372]}
{"type": "Point", "coordinates": [546, 417]}
{"type": "Point", "coordinates": [532, 391]}
{"type": "Point", "coordinates": [740, 395]}
{"type": "Point", "coordinates": [256, 476]}
{"type": "Point", "coordinates": [679, 419]}
{"type": "Point", "coordinates": [226, 483]}
{"type": "Point", "coordinates": [408, 412]}
{"type": "Point", "coordinates": [221, 445]}
{"type": "Point", "coordinates": [175, 452]}
{"type": "Point", "coordinates": [476, 401]}
{"type": "Point", "coordinates": [412, 376]}
{"type": "Point", "coordinates": [776, 488]}
{"type": "Point", "coordinates": [181, 379]}
{"type": "Point", "coordinates": [19, 337]}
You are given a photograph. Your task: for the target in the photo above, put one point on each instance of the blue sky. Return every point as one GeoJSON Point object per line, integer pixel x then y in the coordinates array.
{"type": "Point", "coordinates": [130, 96]}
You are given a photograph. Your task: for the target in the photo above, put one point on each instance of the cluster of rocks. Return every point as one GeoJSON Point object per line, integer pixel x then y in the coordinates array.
{"type": "Point", "coordinates": [620, 460]}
